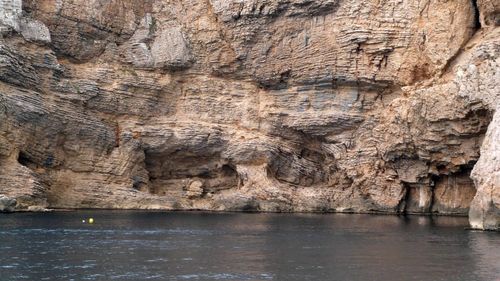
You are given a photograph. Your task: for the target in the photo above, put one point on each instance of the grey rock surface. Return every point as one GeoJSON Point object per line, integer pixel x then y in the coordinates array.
{"type": "Point", "coordinates": [7, 204]}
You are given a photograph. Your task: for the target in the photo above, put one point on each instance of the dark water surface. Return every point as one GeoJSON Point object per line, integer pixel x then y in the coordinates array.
{"type": "Point", "coordinates": [126, 245]}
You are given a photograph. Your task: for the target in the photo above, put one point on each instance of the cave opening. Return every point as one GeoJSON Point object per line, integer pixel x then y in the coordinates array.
{"type": "Point", "coordinates": [448, 193]}
{"type": "Point", "coordinates": [173, 174]}
{"type": "Point", "coordinates": [453, 193]}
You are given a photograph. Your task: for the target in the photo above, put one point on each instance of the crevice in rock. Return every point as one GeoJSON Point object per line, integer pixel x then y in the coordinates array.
{"type": "Point", "coordinates": [276, 83]}
{"type": "Point", "coordinates": [432, 200]}
{"type": "Point", "coordinates": [476, 26]}
{"type": "Point", "coordinates": [477, 19]}
{"type": "Point", "coordinates": [117, 134]}
{"type": "Point", "coordinates": [401, 208]}
{"type": "Point", "coordinates": [24, 159]}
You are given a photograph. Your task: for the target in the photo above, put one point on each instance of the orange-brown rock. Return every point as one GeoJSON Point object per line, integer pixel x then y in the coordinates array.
{"type": "Point", "coordinates": [287, 105]}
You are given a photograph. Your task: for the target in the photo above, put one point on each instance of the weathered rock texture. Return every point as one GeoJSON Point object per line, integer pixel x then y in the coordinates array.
{"type": "Point", "coordinates": [285, 105]}
{"type": "Point", "coordinates": [7, 204]}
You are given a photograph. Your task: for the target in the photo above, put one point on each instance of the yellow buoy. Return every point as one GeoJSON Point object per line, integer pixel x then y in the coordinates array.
{"type": "Point", "coordinates": [91, 220]}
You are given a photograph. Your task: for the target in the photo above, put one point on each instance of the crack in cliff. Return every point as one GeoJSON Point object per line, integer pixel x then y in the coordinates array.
{"type": "Point", "coordinates": [402, 205]}
{"type": "Point", "coordinates": [477, 15]}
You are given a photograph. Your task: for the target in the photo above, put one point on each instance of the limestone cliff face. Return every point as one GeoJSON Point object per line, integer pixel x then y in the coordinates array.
{"type": "Point", "coordinates": [284, 105]}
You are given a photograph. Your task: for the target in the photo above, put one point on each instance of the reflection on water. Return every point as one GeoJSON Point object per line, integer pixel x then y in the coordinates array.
{"type": "Point", "coordinates": [235, 246]}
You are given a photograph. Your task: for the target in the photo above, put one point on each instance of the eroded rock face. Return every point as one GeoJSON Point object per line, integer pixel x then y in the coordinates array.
{"type": "Point", "coordinates": [489, 12]}
{"type": "Point", "coordinates": [7, 204]}
{"type": "Point", "coordinates": [334, 105]}
{"type": "Point", "coordinates": [485, 208]}
{"type": "Point", "coordinates": [10, 13]}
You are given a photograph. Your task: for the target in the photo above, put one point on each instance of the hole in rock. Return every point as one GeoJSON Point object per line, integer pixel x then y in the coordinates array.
{"type": "Point", "coordinates": [24, 159]}
{"type": "Point", "coordinates": [172, 174]}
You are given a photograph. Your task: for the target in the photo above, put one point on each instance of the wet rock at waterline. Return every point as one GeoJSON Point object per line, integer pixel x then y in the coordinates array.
{"type": "Point", "coordinates": [7, 204]}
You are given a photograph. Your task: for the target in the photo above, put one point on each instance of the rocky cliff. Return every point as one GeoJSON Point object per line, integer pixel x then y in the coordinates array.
{"type": "Point", "coordinates": [269, 105]}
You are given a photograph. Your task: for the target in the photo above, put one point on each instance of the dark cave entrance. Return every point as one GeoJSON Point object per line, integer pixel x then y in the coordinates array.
{"type": "Point", "coordinates": [173, 174]}
{"type": "Point", "coordinates": [24, 159]}
{"type": "Point", "coordinates": [447, 194]}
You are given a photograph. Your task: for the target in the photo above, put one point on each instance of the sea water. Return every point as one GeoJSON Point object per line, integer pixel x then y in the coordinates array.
{"type": "Point", "coordinates": [138, 245]}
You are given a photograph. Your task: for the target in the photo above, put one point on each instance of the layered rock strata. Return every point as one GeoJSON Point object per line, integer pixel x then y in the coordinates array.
{"type": "Point", "coordinates": [283, 106]}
